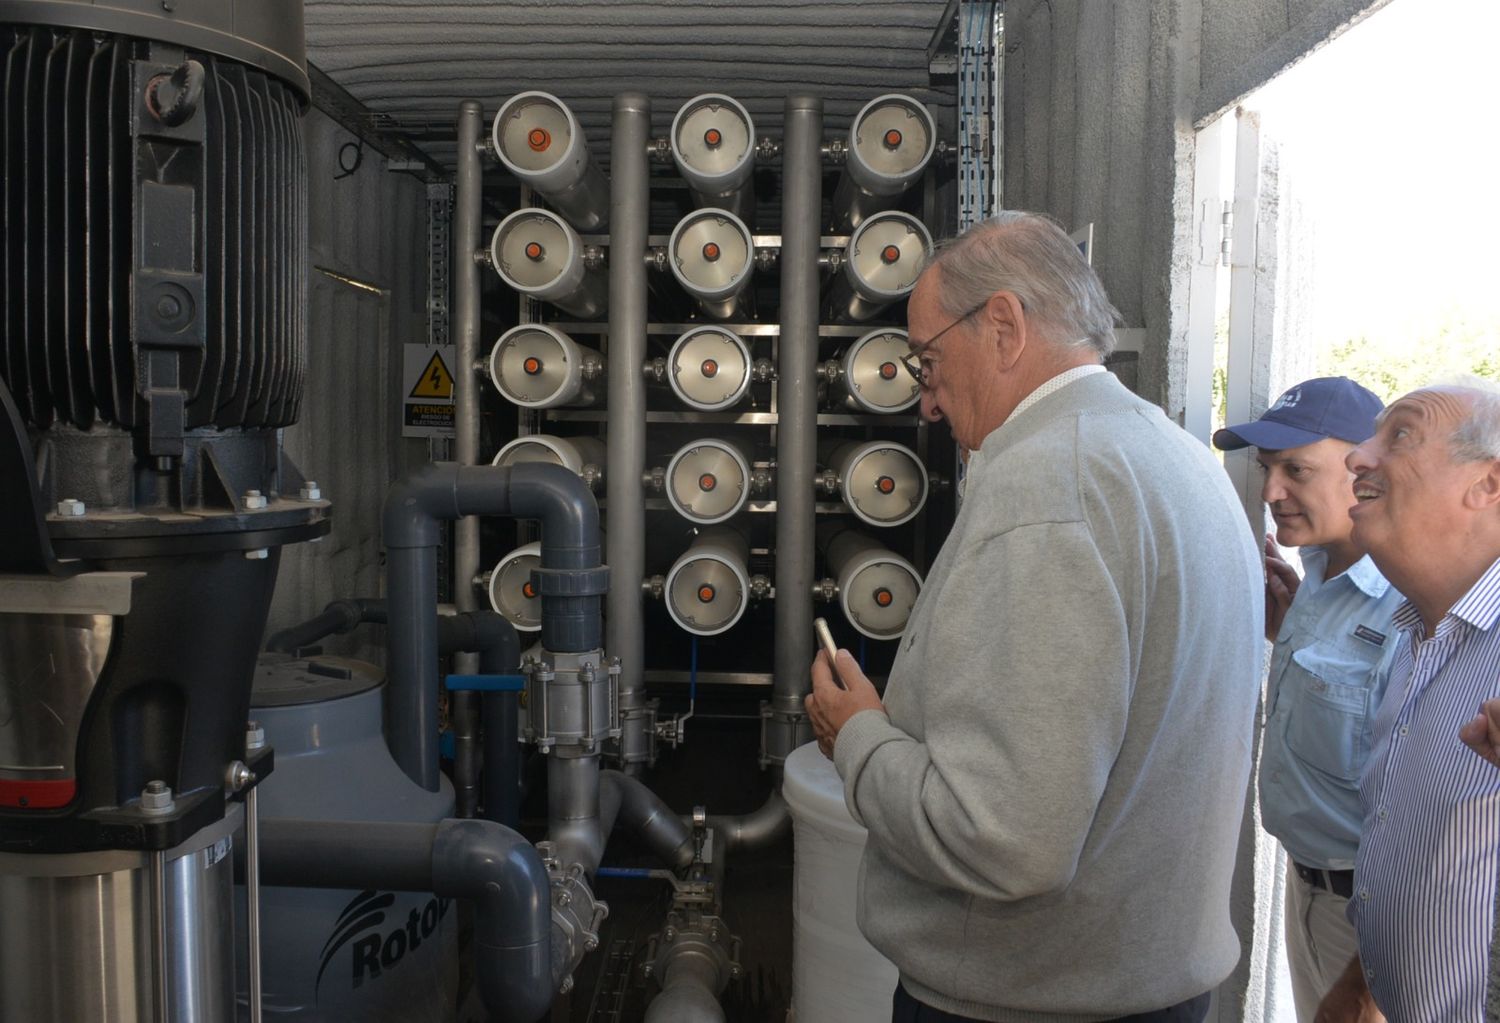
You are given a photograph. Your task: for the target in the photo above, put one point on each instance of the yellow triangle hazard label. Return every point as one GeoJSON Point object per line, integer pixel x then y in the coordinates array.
{"type": "Point", "coordinates": [435, 381]}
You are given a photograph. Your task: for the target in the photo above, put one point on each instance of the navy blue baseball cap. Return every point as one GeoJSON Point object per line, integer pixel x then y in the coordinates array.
{"type": "Point", "coordinates": [1313, 410]}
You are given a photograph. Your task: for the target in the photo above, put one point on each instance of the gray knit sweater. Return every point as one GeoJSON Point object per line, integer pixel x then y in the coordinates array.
{"type": "Point", "coordinates": [1055, 800]}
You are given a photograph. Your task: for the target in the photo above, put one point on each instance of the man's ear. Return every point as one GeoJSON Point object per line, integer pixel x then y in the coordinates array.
{"type": "Point", "coordinates": [1006, 319]}
{"type": "Point", "coordinates": [1484, 491]}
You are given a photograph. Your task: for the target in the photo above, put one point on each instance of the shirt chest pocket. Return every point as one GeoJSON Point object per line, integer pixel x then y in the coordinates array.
{"type": "Point", "coordinates": [1329, 710]}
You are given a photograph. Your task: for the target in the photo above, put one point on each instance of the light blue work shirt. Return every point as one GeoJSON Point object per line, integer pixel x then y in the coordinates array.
{"type": "Point", "coordinates": [1321, 698]}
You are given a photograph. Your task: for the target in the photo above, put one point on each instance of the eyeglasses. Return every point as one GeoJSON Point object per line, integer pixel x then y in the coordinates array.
{"type": "Point", "coordinates": [913, 360]}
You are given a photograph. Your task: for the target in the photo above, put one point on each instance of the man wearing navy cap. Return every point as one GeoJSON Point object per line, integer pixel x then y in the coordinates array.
{"type": "Point", "coordinates": [1331, 631]}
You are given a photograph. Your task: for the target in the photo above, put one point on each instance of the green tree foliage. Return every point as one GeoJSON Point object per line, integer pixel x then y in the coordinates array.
{"type": "Point", "coordinates": [1391, 366]}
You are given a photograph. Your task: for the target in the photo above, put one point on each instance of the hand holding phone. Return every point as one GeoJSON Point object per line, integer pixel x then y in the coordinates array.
{"type": "Point", "coordinates": [820, 626]}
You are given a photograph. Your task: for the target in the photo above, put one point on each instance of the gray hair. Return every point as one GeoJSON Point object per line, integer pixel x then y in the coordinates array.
{"type": "Point", "coordinates": [1029, 255]}
{"type": "Point", "coordinates": [1477, 438]}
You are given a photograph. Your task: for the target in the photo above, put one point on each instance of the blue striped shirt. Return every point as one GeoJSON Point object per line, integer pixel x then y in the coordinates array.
{"type": "Point", "coordinates": [1425, 877]}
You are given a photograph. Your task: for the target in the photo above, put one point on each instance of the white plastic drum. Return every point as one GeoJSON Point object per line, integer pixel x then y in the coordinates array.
{"type": "Point", "coordinates": [708, 481]}
{"type": "Point", "coordinates": [573, 453]}
{"type": "Point", "coordinates": [837, 976]}
{"type": "Point", "coordinates": [537, 366]}
{"type": "Point", "coordinates": [708, 587]}
{"type": "Point", "coordinates": [709, 368]}
{"type": "Point", "coordinates": [882, 482]}
{"type": "Point", "coordinates": [873, 376]}
{"type": "Point", "coordinates": [512, 593]}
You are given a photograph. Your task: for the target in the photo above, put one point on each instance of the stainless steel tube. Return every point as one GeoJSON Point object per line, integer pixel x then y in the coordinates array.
{"type": "Point", "coordinates": [159, 934]}
{"type": "Point", "coordinates": [466, 326]}
{"type": "Point", "coordinates": [252, 899]}
{"type": "Point", "coordinates": [691, 980]}
{"type": "Point", "coordinates": [797, 421]}
{"type": "Point", "coordinates": [626, 454]}
{"type": "Point", "coordinates": [756, 829]}
{"type": "Point", "coordinates": [573, 824]}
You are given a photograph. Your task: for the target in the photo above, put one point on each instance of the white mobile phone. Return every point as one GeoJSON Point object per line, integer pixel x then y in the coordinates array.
{"type": "Point", "coordinates": [820, 626]}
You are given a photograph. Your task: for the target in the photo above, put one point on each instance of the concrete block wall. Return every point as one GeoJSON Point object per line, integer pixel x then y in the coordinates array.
{"type": "Point", "coordinates": [1102, 99]}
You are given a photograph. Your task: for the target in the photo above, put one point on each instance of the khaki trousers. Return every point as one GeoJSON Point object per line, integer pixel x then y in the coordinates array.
{"type": "Point", "coordinates": [1320, 941]}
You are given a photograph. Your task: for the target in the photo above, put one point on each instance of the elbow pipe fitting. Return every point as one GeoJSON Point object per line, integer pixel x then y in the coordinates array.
{"type": "Point", "coordinates": [338, 618]}
{"type": "Point", "coordinates": [467, 859]}
{"type": "Point", "coordinates": [756, 829]}
{"type": "Point", "coordinates": [630, 804]}
{"type": "Point", "coordinates": [444, 491]}
{"type": "Point", "coordinates": [483, 632]}
{"type": "Point", "coordinates": [503, 874]}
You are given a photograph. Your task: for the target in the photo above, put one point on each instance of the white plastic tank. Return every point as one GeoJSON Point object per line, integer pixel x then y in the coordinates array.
{"type": "Point", "coordinates": [837, 976]}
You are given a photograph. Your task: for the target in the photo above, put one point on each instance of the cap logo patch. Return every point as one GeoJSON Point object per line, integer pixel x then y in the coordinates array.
{"type": "Point", "coordinates": [1288, 400]}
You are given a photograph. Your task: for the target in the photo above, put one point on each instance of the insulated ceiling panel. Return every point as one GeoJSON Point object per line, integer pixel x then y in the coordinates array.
{"type": "Point", "coordinates": [412, 61]}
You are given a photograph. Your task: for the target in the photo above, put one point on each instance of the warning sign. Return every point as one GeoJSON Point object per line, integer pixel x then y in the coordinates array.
{"type": "Point", "coordinates": [435, 381]}
{"type": "Point", "coordinates": [427, 383]}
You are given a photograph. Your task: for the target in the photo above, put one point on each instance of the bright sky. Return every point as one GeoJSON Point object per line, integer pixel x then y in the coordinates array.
{"type": "Point", "coordinates": [1391, 132]}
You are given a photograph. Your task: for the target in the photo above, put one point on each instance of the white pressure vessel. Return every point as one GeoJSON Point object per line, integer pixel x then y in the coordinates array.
{"type": "Point", "coordinates": [708, 481]}
{"type": "Point", "coordinates": [708, 588]}
{"type": "Point", "coordinates": [583, 456]}
{"type": "Point", "coordinates": [538, 139]}
{"type": "Point", "coordinates": [709, 368]}
{"type": "Point", "coordinates": [538, 366]}
{"type": "Point", "coordinates": [538, 254]}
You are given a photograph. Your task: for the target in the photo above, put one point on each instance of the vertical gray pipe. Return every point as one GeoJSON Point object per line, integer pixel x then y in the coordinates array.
{"type": "Point", "coordinates": [466, 325]}
{"type": "Point", "coordinates": [797, 419]}
{"type": "Point", "coordinates": [411, 660]}
{"type": "Point", "coordinates": [626, 452]}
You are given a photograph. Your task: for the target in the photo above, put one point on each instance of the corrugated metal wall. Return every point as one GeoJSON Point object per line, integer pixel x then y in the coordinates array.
{"type": "Point", "coordinates": [367, 295]}
{"type": "Point", "coordinates": [413, 60]}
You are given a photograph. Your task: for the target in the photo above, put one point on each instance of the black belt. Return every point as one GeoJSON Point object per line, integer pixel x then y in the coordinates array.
{"type": "Point", "coordinates": [1340, 882]}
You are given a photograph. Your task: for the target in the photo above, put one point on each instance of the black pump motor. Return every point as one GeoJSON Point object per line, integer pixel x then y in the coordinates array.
{"type": "Point", "coordinates": [152, 343]}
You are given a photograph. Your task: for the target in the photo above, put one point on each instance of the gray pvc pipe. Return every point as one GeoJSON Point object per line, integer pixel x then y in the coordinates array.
{"type": "Point", "coordinates": [467, 240]}
{"type": "Point", "coordinates": [337, 618]}
{"type": "Point", "coordinates": [467, 859]}
{"type": "Point", "coordinates": [625, 458]}
{"type": "Point", "coordinates": [414, 510]}
{"type": "Point", "coordinates": [797, 410]}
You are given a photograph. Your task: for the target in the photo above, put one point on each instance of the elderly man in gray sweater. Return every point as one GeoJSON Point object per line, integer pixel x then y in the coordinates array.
{"type": "Point", "coordinates": [1054, 783]}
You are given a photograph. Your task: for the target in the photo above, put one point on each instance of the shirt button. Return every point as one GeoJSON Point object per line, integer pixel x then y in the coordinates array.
{"type": "Point", "coordinates": [1364, 894]}
{"type": "Point", "coordinates": [1403, 729]}
{"type": "Point", "coordinates": [1370, 974]}
{"type": "Point", "coordinates": [1382, 814]}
